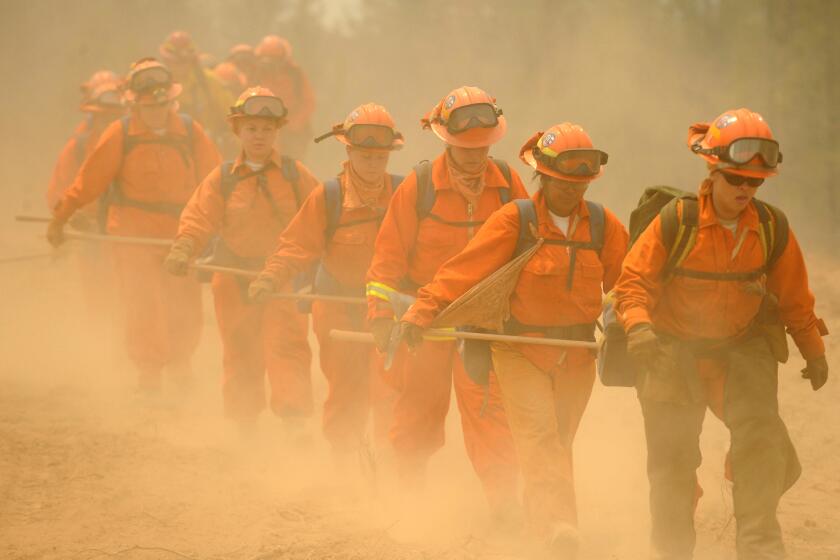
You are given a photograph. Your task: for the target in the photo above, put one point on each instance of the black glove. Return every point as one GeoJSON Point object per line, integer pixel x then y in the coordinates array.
{"type": "Point", "coordinates": [412, 334]}
{"type": "Point", "coordinates": [177, 262]}
{"type": "Point", "coordinates": [816, 371]}
{"type": "Point", "coordinates": [641, 342]}
{"type": "Point", "coordinates": [261, 288]}
{"type": "Point", "coordinates": [55, 232]}
{"type": "Point", "coordinates": [381, 329]}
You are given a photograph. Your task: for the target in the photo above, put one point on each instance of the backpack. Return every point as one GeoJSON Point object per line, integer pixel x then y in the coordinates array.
{"type": "Point", "coordinates": [115, 195]}
{"type": "Point", "coordinates": [679, 233]}
{"type": "Point", "coordinates": [426, 194]}
{"type": "Point", "coordinates": [216, 251]}
{"type": "Point", "coordinates": [324, 282]}
{"type": "Point", "coordinates": [528, 224]}
{"type": "Point", "coordinates": [679, 214]}
{"type": "Point", "coordinates": [333, 200]}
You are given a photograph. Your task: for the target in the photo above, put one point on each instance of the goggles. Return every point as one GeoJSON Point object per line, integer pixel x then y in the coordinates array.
{"type": "Point", "coordinates": [738, 180]}
{"type": "Point", "coordinates": [109, 98]}
{"type": "Point", "coordinates": [584, 162]}
{"type": "Point", "coordinates": [371, 136]}
{"type": "Point", "coordinates": [261, 106]}
{"type": "Point", "coordinates": [479, 115]}
{"type": "Point", "coordinates": [744, 150]}
{"type": "Point", "coordinates": [150, 79]}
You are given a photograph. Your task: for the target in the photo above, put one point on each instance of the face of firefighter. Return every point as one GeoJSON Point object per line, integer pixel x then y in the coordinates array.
{"type": "Point", "coordinates": [469, 159]}
{"type": "Point", "coordinates": [369, 164]}
{"type": "Point", "coordinates": [562, 196]}
{"type": "Point", "coordinates": [155, 116]}
{"type": "Point", "coordinates": [257, 136]}
{"type": "Point", "coordinates": [730, 200]}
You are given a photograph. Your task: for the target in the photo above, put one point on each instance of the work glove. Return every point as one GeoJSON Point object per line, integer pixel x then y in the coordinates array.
{"type": "Point", "coordinates": [381, 328]}
{"type": "Point", "coordinates": [641, 342]}
{"type": "Point", "coordinates": [55, 232]}
{"type": "Point", "coordinates": [260, 290]}
{"type": "Point", "coordinates": [816, 371]}
{"type": "Point", "coordinates": [177, 262]}
{"type": "Point", "coordinates": [412, 334]}
{"type": "Point", "coordinates": [81, 222]}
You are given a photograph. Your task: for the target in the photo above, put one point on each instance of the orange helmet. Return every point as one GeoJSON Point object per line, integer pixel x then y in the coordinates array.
{"type": "Point", "coordinates": [368, 126]}
{"type": "Point", "coordinates": [178, 46]}
{"type": "Point", "coordinates": [97, 79]}
{"type": "Point", "coordinates": [467, 117]}
{"type": "Point", "coordinates": [274, 46]}
{"type": "Point", "coordinates": [105, 98]}
{"type": "Point", "coordinates": [149, 82]}
{"type": "Point", "coordinates": [739, 141]}
{"type": "Point", "coordinates": [564, 151]}
{"type": "Point", "coordinates": [258, 102]}
{"type": "Point", "coordinates": [230, 76]}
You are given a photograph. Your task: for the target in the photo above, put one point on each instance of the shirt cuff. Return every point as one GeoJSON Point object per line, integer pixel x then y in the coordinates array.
{"type": "Point", "coordinates": [810, 343]}
{"type": "Point", "coordinates": [634, 316]}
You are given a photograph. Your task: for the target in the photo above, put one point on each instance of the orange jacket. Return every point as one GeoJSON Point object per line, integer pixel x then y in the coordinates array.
{"type": "Point", "coordinates": [150, 173]}
{"type": "Point", "coordinates": [248, 221]}
{"type": "Point", "coordinates": [540, 297]}
{"type": "Point", "coordinates": [407, 252]}
{"type": "Point", "coordinates": [692, 308]}
{"type": "Point", "coordinates": [293, 87]}
{"type": "Point", "coordinates": [346, 256]}
{"type": "Point", "coordinates": [74, 152]}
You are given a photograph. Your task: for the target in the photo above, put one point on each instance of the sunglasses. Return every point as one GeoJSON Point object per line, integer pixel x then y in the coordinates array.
{"type": "Point", "coordinates": [738, 180]}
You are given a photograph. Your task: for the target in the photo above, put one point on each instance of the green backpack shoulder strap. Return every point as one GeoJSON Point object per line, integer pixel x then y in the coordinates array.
{"type": "Point", "coordinates": [680, 219]}
{"type": "Point", "coordinates": [774, 231]}
{"type": "Point", "coordinates": [504, 193]}
{"type": "Point", "coordinates": [425, 189]}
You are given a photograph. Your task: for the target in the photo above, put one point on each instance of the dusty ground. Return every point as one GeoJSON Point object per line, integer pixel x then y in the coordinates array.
{"type": "Point", "coordinates": [88, 472]}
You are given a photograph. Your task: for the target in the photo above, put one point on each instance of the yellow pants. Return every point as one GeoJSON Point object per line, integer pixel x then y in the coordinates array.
{"type": "Point", "coordinates": [544, 410]}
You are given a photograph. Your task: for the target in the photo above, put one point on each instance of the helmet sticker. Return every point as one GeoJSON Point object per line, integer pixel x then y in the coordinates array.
{"type": "Point", "coordinates": [548, 139]}
{"type": "Point", "coordinates": [450, 101]}
{"type": "Point", "coordinates": [725, 120]}
{"type": "Point", "coordinates": [353, 116]}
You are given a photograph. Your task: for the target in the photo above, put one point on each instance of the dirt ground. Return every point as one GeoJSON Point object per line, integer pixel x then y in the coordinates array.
{"type": "Point", "coordinates": [88, 472]}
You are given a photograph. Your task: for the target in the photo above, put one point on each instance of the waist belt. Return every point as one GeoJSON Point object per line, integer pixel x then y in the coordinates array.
{"type": "Point", "coordinates": [328, 285]}
{"type": "Point", "coordinates": [224, 256]}
{"type": "Point", "coordinates": [584, 331]}
{"type": "Point", "coordinates": [173, 209]}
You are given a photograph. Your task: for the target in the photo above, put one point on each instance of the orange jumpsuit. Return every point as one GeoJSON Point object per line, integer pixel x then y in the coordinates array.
{"type": "Point", "coordinates": [705, 326]}
{"type": "Point", "coordinates": [154, 179]}
{"type": "Point", "coordinates": [257, 339]}
{"type": "Point", "coordinates": [293, 87]}
{"type": "Point", "coordinates": [407, 254]}
{"type": "Point", "coordinates": [352, 370]}
{"type": "Point", "coordinates": [544, 389]}
{"type": "Point", "coordinates": [94, 269]}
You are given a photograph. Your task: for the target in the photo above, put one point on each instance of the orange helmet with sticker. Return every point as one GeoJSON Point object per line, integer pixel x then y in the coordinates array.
{"type": "Point", "coordinates": [565, 152]}
{"type": "Point", "coordinates": [274, 46]}
{"type": "Point", "coordinates": [258, 102]}
{"type": "Point", "coordinates": [467, 117]}
{"type": "Point", "coordinates": [738, 141]}
{"type": "Point", "coordinates": [149, 82]}
{"type": "Point", "coordinates": [178, 47]}
{"type": "Point", "coordinates": [97, 79]}
{"type": "Point", "coordinates": [369, 126]}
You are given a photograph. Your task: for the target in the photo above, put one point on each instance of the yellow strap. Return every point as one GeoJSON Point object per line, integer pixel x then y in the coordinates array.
{"type": "Point", "coordinates": [379, 290]}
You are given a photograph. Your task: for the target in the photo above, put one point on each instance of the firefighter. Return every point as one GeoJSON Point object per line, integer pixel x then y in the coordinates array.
{"type": "Point", "coordinates": [705, 316]}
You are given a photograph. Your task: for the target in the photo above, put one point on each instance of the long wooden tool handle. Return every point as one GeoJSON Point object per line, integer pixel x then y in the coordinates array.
{"type": "Point", "coordinates": [33, 219]}
{"type": "Point", "coordinates": [118, 239]}
{"type": "Point", "coordinates": [225, 270]}
{"type": "Point", "coordinates": [355, 336]}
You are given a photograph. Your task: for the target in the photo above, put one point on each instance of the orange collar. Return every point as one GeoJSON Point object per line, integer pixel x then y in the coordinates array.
{"type": "Point", "coordinates": [544, 214]}
{"type": "Point", "coordinates": [274, 158]}
{"type": "Point", "coordinates": [174, 125]}
{"type": "Point", "coordinates": [707, 216]}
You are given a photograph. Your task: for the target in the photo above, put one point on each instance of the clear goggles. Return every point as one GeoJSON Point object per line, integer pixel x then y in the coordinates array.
{"type": "Point", "coordinates": [261, 106]}
{"type": "Point", "coordinates": [109, 98]}
{"type": "Point", "coordinates": [480, 115]}
{"type": "Point", "coordinates": [584, 162]}
{"type": "Point", "coordinates": [150, 79]}
{"type": "Point", "coordinates": [371, 136]}
{"type": "Point", "coordinates": [744, 150]}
